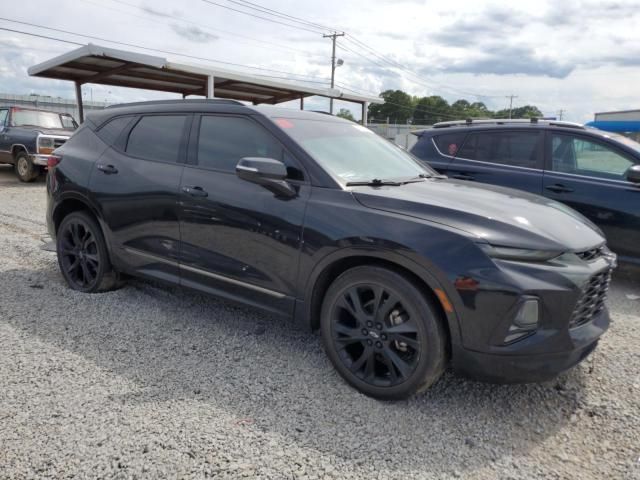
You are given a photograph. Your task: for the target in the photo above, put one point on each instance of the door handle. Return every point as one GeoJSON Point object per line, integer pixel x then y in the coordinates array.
{"type": "Point", "coordinates": [463, 176]}
{"type": "Point", "coordinates": [559, 188]}
{"type": "Point", "coordinates": [108, 169]}
{"type": "Point", "coordinates": [195, 191]}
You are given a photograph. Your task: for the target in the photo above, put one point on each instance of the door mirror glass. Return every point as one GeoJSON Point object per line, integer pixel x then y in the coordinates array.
{"type": "Point", "coordinates": [633, 174]}
{"type": "Point", "coordinates": [267, 172]}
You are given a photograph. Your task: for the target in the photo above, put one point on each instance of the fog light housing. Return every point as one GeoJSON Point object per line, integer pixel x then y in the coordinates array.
{"type": "Point", "coordinates": [525, 320]}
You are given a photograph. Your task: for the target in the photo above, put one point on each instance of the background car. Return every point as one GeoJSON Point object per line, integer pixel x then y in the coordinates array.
{"type": "Point", "coordinates": [595, 172]}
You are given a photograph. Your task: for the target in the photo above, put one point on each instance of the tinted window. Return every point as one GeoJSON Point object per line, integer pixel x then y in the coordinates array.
{"type": "Point", "coordinates": [580, 156]}
{"type": "Point", "coordinates": [449, 144]}
{"type": "Point", "coordinates": [509, 148]}
{"type": "Point", "coordinates": [110, 131]}
{"type": "Point", "coordinates": [223, 141]}
{"type": "Point", "coordinates": [157, 137]}
{"type": "Point", "coordinates": [3, 116]}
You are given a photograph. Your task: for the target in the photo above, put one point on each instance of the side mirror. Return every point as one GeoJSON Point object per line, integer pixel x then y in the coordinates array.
{"type": "Point", "coordinates": [267, 172]}
{"type": "Point", "coordinates": [633, 174]}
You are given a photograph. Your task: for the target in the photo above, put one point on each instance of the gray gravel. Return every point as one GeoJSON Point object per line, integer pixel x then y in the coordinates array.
{"type": "Point", "coordinates": [157, 382]}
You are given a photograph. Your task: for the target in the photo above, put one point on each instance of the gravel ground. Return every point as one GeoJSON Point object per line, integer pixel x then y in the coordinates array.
{"type": "Point", "coordinates": [157, 382]}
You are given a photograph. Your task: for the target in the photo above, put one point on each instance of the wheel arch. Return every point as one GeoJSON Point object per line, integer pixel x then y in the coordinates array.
{"type": "Point", "coordinates": [16, 148]}
{"type": "Point", "coordinates": [308, 311]}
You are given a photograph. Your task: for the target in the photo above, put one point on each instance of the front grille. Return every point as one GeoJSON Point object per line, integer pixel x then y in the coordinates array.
{"type": "Point", "coordinates": [592, 254]}
{"type": "Point", "coordinates": [591, 301]}
{"type": "Point", "coordinates": [58, 142]}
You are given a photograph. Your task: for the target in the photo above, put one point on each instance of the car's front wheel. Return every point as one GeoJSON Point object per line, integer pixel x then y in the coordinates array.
{"type": "Point", "coordinates": [82, 254]}
{"type": "Point", "coordinates": [25, 169]}
{"type": "Point", "coordinates": [382, 334]}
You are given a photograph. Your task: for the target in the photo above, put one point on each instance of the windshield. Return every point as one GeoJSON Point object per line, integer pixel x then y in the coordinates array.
{"type": "Point", "coordinates": [40, 119]}
{"type": "Point", "coordinates": [625, 140]}
{"type": "Point", "coordinates": [351, 152]}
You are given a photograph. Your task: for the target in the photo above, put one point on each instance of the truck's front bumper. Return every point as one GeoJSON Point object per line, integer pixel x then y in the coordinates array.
{"type": "Point", "coordinates": [38, 159]}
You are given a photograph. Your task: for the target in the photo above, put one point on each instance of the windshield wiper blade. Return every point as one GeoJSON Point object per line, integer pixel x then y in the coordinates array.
{"type": "Point", "coordinates": [376, 182]}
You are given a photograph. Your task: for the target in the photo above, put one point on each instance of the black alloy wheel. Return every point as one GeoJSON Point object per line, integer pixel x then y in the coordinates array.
{"type": "Point", "coordinates": [382, 333]}
{"type": "Point", "coordinates": [82, 254]}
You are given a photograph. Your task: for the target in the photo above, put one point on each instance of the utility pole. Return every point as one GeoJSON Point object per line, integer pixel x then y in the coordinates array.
{"type": "Point", "coordinates": [511, 97]}
{"type": "Point", "coordinates": [561, 113]}
{"type": "Point", "coordinates": [333, 37]}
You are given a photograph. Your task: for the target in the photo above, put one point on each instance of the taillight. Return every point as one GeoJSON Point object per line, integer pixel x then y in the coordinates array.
{"type": "Point", "coordinates": [53, 160]}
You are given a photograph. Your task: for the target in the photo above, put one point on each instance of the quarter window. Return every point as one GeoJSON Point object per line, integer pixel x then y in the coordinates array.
{"type": "Point", "coordinates": [520, 149]}
{"type": "Point", "coordinates": [112, 129]}
{"type": "Point", "coordinates": [577, 155]}
{"type": "Point", "coordinates": [157, 137]}
{"type": "Point", "coordinates": [224, 140]}
{"type": "Point", "coordinates": [3, 117]}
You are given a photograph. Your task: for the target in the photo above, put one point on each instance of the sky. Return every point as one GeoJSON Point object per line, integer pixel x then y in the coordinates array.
{"type": "Point", "coordinates": [577, 56]}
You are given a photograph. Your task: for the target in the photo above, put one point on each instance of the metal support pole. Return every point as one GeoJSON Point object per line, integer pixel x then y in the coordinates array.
{"type": "Point", "coordinates": [79, 102]}
{"type": "Point", "coordinates": [301, 103]}
{"type": "Point", "coordinates": [365, 113]}
{"type": "Point", "coordinates": [210, 86]}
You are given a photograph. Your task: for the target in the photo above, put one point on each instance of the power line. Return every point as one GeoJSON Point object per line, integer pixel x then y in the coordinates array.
{"type": "Point", "coordinates": [150, 48]}
{"type": "Point", "coordinates": [276, 13]}
{"type": "Point", "coordinates": [258, 41]}
{"type": "Point", "coordinates": [262, 18]}
{"type": "Point", "coordinates": [40, 36]}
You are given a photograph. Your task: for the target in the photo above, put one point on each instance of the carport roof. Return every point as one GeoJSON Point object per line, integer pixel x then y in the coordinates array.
{"type": "Point", "coordinates": [107, 66]}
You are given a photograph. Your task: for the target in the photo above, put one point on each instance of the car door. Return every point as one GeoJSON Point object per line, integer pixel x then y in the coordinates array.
{"type": "Point", "coordinates": [136, 184]}
{"type": "Point", "coordinates": [438, 150]}
{"type": "Point", "coordinates": [589, 174]}
{"type": "Point", "coordinates": [510, 158]}
{"type": "Point", "coordinates": [238, 239]}
{"type": "Point", "coordinates": [5, 147]}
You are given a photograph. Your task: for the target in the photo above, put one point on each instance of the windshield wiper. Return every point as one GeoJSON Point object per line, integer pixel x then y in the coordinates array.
{"type": "Point", "coordinates": [376, 182]}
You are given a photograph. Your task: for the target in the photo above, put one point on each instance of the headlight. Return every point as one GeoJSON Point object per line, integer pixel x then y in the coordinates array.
{"type": "Point", "coordinates": [45, 145]}
{"type": "Point", "coordinates": [522, 254]}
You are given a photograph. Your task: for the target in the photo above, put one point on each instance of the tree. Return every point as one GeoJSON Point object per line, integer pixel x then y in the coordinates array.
{"type": "Point", "coordinates": [430, 110]}
{"type": "Point", "coordinates": [398, 107]}
{"type": "Point", "coordinates": [528, 111]}
{"type": "Point", "coordinates": [346, 114]}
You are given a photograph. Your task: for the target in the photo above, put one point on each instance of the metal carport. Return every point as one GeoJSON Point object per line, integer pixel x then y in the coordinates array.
{"type": "Point", "coordinates": [107, 66]}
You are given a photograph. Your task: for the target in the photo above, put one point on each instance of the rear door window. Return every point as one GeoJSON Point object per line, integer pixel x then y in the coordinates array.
{"type": "Point", "coordinates": [519, 149]}
{"type": "Point", "coordinates": [157, 137]}
{"type": "Point", "coordinates": [3, 116]}
{"type": "Point", "coordinates": [450, 143]}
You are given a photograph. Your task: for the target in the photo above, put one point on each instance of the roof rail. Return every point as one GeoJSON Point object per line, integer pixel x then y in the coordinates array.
{"type": "Point", "coordinates": [506, 121]}
{"type": "Point", "coordinates": [220, 101]}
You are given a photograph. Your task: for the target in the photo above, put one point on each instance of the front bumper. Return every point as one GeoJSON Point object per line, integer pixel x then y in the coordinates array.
{"type": "Point", "coordinates": [488, 298]}
{"type": "Point", "coordinates": [38, 159]}
{"type": "Point", "coordinates": [526, 368]}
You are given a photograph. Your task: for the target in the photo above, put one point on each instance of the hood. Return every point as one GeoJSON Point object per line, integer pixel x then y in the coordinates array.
{"type": "Point", "coordinates": [60, 132]}
{"type": "Point", "coordinates": [500, 216]}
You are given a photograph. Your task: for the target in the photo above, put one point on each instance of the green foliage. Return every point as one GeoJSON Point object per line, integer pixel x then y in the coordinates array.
{"type": "Point", "coordinates": [400, 107]}
{"type": "Point", "coordinates": [346, 114]}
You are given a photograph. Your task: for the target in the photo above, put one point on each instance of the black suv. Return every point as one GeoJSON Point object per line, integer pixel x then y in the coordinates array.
{"type": "Point", "coordinates": [28, 136]}
{"type": "Point", "coordinates": [311, 216]}
{"type": "Point", "coordinates": [595, 172]}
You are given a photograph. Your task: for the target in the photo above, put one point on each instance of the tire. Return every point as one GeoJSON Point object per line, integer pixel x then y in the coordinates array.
{"type": "Point", "coordinates": [83, 257]}
{"type": "Point", "coordinates": [363, 314]}
{"type": "Point", "coordinates": [26, 171]}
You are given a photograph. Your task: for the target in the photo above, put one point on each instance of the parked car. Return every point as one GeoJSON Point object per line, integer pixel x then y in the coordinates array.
{"type": "Point", "coordinates": [595, 172]}
{"type": "Point", "coordinates": [314, 217]}
{"type": "Point", "coordinates": [28, 136]}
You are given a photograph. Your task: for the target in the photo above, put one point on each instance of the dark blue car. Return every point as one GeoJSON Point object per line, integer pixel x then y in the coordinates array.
{"type": "Point", "coordinates": [595, 172]}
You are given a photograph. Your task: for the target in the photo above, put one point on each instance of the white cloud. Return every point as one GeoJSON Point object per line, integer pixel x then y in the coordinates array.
{"type": "Point", "coordinates": [581, 56]}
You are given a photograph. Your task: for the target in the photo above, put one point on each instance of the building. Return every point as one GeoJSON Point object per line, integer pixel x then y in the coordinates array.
{"type": "Point", "coordinates": [626, 122]}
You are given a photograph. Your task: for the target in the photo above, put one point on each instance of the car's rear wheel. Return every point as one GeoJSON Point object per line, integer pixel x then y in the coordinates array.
{"type": "Point", "coordinates": [82, 254]}
{"type": "Point", "coordinates": [25, 169]}
{"type": "Point", "coordinates": [382, 334]}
